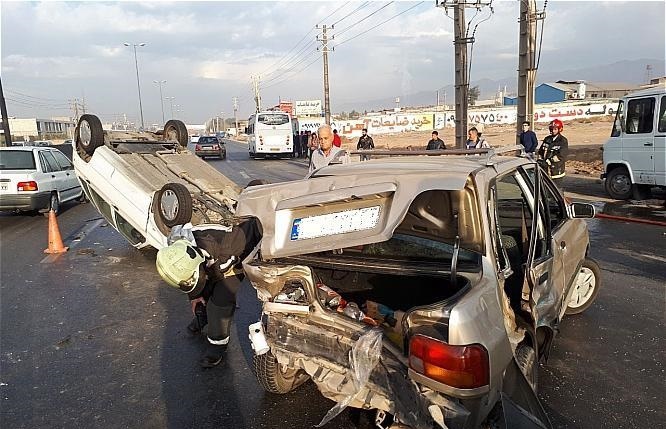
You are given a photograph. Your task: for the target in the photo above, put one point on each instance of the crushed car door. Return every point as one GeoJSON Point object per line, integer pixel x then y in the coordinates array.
{"type": "Point", "coordinates": [525, 238]}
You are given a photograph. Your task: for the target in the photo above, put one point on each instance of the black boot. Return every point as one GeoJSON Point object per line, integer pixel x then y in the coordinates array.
{"type": "Point", "coordinates": [214, 356]}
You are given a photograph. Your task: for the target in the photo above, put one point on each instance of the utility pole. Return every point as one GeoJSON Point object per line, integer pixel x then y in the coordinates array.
{"type": "Point", "coordinates": [235, 100]}
{"type": "Point", "coordinates": [461, 78]}
{"type": "Point", "coordinates": [257, 96]}
{"type": "Point", "coordinates": [324, 49]}
{"type": "Point", "coordinates": [5, 117]}
{"type": "Point", "coordinates": [460, 42]}
{"type": "Point", "coordinates": [527, 66]}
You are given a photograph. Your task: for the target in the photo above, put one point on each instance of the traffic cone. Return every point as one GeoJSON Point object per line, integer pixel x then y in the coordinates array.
{"type": "Point", "coordinates": [55, 241]}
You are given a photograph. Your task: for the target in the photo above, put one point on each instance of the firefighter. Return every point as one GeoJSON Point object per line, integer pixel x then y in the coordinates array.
{"type": "Point", "coordinates": [552, 155]}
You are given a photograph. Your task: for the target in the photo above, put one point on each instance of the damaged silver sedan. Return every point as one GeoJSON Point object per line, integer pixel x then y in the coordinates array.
{"type": "Point", "coordinates": [426, 288]}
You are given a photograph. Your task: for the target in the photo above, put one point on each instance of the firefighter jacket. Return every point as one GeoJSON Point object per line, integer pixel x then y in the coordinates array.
{"type": "Point", "coordinates": [226, 247]}
{"type": "Point", "coordinates": [553, 154]}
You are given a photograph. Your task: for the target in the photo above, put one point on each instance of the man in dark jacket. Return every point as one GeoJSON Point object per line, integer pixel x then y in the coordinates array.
{"type": "Point", "coordinates": [365, 143]}
{"type": "Point", "coordinates": [435, 142]}
{"type": "Point", "coordinates": [528, 138]}
{"type": "Point", "coordinates": [552, 155]}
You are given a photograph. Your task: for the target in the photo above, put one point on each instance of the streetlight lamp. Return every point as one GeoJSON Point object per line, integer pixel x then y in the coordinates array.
{"type": "Point", "coordinates": [171, 100]}
{"type": "Point", "coordinates": [138, 85]}
{"type": "Point", "coordinates": [160, 82]}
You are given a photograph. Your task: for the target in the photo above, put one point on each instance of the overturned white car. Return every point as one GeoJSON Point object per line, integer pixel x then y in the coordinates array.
{"type": "Point", "coordinates": [145, 183]}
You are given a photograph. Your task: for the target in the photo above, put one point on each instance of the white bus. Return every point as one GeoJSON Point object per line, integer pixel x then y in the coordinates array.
{"type": "Point", "coordinates": [270, 134]}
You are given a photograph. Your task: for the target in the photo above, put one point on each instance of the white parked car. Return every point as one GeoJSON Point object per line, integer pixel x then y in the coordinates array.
{"type": "Point", "coordinates": [36, 178]}
{"type": "Point", "coordinates": [145, 183]}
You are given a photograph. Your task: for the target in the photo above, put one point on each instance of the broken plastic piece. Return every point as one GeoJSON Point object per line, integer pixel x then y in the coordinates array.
{"type": "Point", "coordinates": [181, 232]}
{"type": "Point", "coordinates": [363, 357]}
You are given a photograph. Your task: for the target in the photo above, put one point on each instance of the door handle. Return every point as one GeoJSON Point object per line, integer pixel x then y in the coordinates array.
{"type": "Point", "coordinates": [53, 176]}
{"type": "Point", "coordinates": [543, 277]}
{"type": "Point", "coordinates": [647, 144]}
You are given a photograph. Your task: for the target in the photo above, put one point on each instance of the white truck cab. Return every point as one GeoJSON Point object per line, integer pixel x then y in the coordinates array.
{"type": "Point", "coordinates": [635, 154]}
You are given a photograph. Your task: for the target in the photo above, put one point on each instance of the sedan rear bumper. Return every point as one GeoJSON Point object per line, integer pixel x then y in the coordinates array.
{"type": "Point", "coordinates": [220, 153]}
{"type": "Point", "coordinates": [35, 201]}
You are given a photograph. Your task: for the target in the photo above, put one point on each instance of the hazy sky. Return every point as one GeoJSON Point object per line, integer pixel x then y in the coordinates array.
{"type": "Point", "coordinates": [53, 52]}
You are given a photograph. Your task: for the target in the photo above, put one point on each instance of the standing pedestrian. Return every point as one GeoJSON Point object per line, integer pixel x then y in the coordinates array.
{"type": "Point", "coordinates": [337, 141]}
{"type": "Point", "coordinates": [326, 153]}
{"type": "Point", "coordinates": [475, 140]}
{"type": "Point", "coordinates": [313, 144]}
{"type": "Point", "coordinates": [435, 142]}
{"type": "Point", "coordinates": [528, 139]}
{"type": "Point", "coordinates": [552, 155]}
{"type": "Point", "coordinates": [365, 142]}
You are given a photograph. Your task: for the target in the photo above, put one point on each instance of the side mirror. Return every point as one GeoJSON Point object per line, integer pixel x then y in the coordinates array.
{"type": "Point", "coordinates": [582, 210]}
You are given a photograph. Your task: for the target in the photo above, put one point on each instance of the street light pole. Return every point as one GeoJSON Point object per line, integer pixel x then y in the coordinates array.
{"type": "Point", "coordinates": [171, 100]}
{"type": "Point", "coordinates": [138, 85]}
{"type": "Point", "coordinates": [160, 82]}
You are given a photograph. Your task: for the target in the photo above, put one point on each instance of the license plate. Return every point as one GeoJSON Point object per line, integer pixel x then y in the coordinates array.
{"type": "Point", "coordinates": [335, 223]}
{"type": "Point", "coordinates": [275, 149]}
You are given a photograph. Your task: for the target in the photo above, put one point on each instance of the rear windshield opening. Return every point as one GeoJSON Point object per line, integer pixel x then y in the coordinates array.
{"type": "Point", "coordinates": [273, 119]}
{"type": "Point", "coordinates": [16, 160]}
{"type": "Point", "coordinates": [208, 140]}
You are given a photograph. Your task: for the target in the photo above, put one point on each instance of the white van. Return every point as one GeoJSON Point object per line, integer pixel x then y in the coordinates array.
{"type": "Point", "coordinates": [635, 154]}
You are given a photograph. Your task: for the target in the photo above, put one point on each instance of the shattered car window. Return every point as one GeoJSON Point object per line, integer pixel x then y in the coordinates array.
{"type": "Point", "coordinates": [409, 248]}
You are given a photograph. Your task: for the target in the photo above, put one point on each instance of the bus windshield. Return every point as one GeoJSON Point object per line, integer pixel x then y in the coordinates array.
{"type": "Point", "coordinates": [273, 118]}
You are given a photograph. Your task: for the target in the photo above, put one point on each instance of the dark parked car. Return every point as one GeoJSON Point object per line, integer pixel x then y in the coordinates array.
{"type": "Point", "coordinates": [209, 146]}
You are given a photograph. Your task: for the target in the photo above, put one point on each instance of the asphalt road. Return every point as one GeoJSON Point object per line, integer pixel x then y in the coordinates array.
{"type": "Point", "coordinates": [93, 339]}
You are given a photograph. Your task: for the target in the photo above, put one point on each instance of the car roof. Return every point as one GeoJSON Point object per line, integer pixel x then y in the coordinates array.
{"type": "Point", "coordinates": [450, 164]}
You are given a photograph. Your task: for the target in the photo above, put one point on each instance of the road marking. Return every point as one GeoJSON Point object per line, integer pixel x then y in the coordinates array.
{"type": "Point", "coordinates": [76, 237]}
{"type": "Point", "coordinates": [244, 174]}
{"type": "Point", "coordinates": [656, 258]}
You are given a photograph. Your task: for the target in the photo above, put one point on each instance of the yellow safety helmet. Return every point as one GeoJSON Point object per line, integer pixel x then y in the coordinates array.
{"type": "Point", "coordinates": [178, 264]}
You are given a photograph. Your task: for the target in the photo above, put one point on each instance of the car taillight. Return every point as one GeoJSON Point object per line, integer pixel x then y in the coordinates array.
{"type": "Point", "coordinates": [197, 147]}
{"type": "Point", "coordinates": [261, 139]}
{"type": "Point", "coordinates": [288, 141]}
{"type": "Point", "coordinates": [26, 186]}
{"type": "Point", "coordinates": [463, 367]}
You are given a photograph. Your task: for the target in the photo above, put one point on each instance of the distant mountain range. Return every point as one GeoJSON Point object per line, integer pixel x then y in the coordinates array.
{"type": "Point", "coordinates": [627, 71]}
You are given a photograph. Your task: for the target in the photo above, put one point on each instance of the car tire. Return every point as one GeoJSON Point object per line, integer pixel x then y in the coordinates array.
{"type": "Point", "coordinates": [276, 378]}
{"type": "Point", "coordinates": [586, 287]}
{"type": "Point", "coordinates": [175, 130]}
{"type": "Point", "coordinates": [54, 204]}
{"type": "Point", "coordinates": [89, 134]}
{"type": "Point", "coordinates": [527, 361]}
{"type": "Point", "coordinates": [174, 205]}
{"type": "Point", "coordinates": [618, 184]}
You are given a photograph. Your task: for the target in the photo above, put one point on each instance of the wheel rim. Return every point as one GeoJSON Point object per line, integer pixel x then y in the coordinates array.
{"type": "Point", "coordinates": [586, 282]}
{"type": "Point", "coordinates": [621, 184]}
{"type": "Point", "coordinates": [171, 134]}
{"type": "Point", "coordinates": [85, 135]}
{"type": "Point", "coordinates": [169, 205]}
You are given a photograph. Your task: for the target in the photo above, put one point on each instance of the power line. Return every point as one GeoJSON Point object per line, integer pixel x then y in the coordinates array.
{"type": "Point", "coordinates": [31, 96]}
{"type": "Point", "coordinates": [291, 68]}
{"type": "Point", "coordinates": [381, 23]}
{"type": "Point", "coordinates": [333, 13]}
{"type": "Point", "coordinates": [361, 20]}
{"type": "Point", "coordinates": [274, 65]}
{"type": "Point", "coordinates": [350, 13]}
{"type": "Point", "coordinates": [294, 74]}
{"type": "Point", "coordinates": [37, 104]}
{"type": "Point", "coordinates": [294, 57]}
